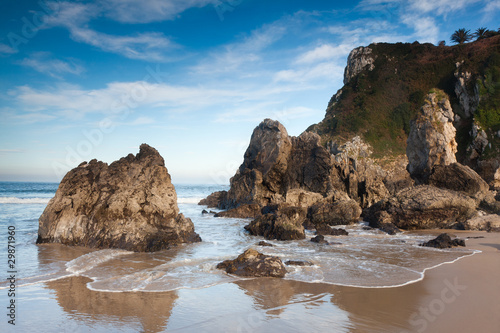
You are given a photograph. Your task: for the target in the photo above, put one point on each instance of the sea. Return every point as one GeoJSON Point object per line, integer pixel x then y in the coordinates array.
{"type": "Point", "coordinates": [58, 288]}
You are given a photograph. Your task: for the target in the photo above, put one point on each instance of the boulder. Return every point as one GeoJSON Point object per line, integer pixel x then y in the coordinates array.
{"type": "Point", "coordinates": [490, 222]}
{"type": "Point", "coordinates": [444, 241]}
{"type": "Point", "coordinates": [320, 239]}
{"type": "Point", "coordinates": [324, 229]}
{"type": "Point", "coordinates": [263, 243]}
{"type": "Point", "coordinates": [432, 137]}
{"type": "Point", "coordinates": [248, 211]}
{"type": "Point", "coordinates": [214, 200]}
{"type": "Point", "coordinates": [422, 207]}
{"type": "Point", "coordinates": [130, 204]}
{"type": "Point", "coordinates": [460, 178]}
{"type": "Point", "coordinates": [334, 212]}
{"type": "Point", "coordinates": [253, 263]}
{"type": "Point", "coordinates": [285, 224]}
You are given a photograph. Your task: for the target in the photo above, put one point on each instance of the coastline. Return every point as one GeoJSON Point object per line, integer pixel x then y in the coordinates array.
{"type": "Point", "coordinates": [457, 297]}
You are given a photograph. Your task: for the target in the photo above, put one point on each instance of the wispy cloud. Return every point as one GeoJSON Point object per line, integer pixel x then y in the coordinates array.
{"type": "Point", "coordinates": [44, 63]}
{"type": "Point", "coordinates": [150, 46]}
{"type": "Point", "coordinates": [140, 11]}
{"type": "Point", "coordinates": [6, 49]}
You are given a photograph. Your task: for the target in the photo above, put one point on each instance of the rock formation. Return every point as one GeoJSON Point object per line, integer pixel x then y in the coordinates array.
{"type": "Point", "coordinates": [432, 137]}
{"type": "Point", "coordinates": [283, 224]}
{"type": "Point", "coordinates": [359, 59]}
{"type": "Point", "coordinates": [444, 241]}
{"type": "Point", "coordinates": [253, 263]}
{"type": "Point", "coordinates": [423, 207]}
{"type": "Point", "coordinates": [461, 178]}
{"type": "Point", "coordinates": [130, 204]}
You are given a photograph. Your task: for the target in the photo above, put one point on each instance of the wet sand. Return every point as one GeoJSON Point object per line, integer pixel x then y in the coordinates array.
{"type": "Point", "coordinates": [460, 297]}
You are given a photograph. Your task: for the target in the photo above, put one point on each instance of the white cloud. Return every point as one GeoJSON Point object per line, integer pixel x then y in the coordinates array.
{"type": "Point", "coordinates": [425, 28]}
{"type": "Point", "coordinates": [42, 62]}
{"type": "Point", "coordinates": [6, 49]}
{"type": "Point", "coordinates": [324, 52]}
{"type": "Point", "coordinates": [150, 46]}
{"type": "Point", "coordinates": [140, 11]}
{"type": "Point", "coordinates": [441, 7]}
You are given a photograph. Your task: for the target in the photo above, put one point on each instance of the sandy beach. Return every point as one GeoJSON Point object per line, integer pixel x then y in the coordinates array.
{"type": "Point", "coordinates": [459, 297]}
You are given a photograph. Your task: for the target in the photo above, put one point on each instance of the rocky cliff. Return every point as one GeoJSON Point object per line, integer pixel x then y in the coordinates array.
{"type": "Point", "coordinates": [385, 86]}
{"type": "Point", "coordinates": [130, 204]}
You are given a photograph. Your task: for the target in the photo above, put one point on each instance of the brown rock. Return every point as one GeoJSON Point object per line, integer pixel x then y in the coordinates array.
{"type": "Point", "coordinates": [334, 212]}
{"type": "Point", "coordinates": [253, 263]}
{"type": "Point", "coordinates": [285, 224]}
{"type": "Point", "coordinates": [214, 200]}
{"type": "Point", "coordinates": [444, 241]}
{"type": "Point", "coordinates": [243, 212]}
{"type": "Point", "coordinates": [460, 178]}
{"type": "Point", "coordinates": [422, 207]}
{"type": "Point", "coordinates": [130, 204]}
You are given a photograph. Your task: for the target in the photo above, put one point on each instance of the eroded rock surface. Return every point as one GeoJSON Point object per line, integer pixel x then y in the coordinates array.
{"type": "Point", "coordinates": [444, 241]}
{"type": "Point", "coordinates": [253, 263]}
{"type": "Point", "coordinates": [130, 204]}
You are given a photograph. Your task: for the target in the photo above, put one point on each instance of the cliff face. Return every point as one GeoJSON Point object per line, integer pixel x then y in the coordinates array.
{"type": "Point", "coordinates": [385, 86]}
{"type": "Point", "coordinates": [130, 204]}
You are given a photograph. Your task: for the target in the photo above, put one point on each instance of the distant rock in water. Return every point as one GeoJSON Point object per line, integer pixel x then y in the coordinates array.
{"type": "Point", "coordinates": [444, 241]}
{"type": "Point", "coordinates": [130, 204]}
{"type": "Point", "coordinates": [253, 263]}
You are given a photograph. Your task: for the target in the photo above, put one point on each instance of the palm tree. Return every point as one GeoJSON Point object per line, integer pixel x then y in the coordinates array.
{"type": "Point", "coordinates": [481, 33]}
{"type": "Point", "coordinates": [461, 36]}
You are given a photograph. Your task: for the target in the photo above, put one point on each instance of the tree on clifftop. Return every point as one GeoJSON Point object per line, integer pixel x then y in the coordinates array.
{"type": "Point", "coordinates": [461, 36]}
{"type": "Point", "coordinates": [481, 33]}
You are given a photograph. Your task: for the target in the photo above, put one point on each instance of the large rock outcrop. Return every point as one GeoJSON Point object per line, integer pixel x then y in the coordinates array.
{"type": "Point", "coordinates": [423, 207]}
{"type": "Point", "coordinates": [283, 224]}
{"type": "Point", "coordinates": [130, 204]}
{"type": "Point", "coordinates": [432, 137]}
{"type": "Point", "coordinates": [278, 169]}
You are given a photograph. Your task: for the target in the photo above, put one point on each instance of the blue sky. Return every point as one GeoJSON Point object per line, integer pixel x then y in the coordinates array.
{"type": "Point", "coordinates": [95, 79]}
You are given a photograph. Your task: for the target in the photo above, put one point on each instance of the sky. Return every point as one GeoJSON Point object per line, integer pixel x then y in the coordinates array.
{"type": "Point", "coordinates": [95, 79]}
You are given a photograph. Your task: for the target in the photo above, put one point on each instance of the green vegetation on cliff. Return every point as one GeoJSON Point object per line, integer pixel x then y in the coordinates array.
{"type": "Point", "coordinates": [378, 104]}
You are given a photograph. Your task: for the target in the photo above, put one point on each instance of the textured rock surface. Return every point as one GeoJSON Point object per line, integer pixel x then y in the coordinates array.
{"type": "Point", "coordinates": [461, 178]}
{"type": "Point", "coordinates": [359, 59]}
{"type": "Point", "coordinates": [214, 199]}
{"type": "Point", "coordinates": [249, 211]}
{"type": "Point", "coordinates": [279, 169]}
{"type": "Point", "coordinates": [284, 224]}
{"type": "Point", "coordinates": [130, 204]}
{"type": "Point", "coordinates": [444, 241]}
{"type": "Point", "coordinates": [432, 137]}
{"type": "Point", "coordinates": [334, 212]}
{"type": "Point", "coordinates": [490, 222]}
{"type": "Point", "coordinates": [253, 263]}
{"type": "Point", "coordinates": [422, 207]}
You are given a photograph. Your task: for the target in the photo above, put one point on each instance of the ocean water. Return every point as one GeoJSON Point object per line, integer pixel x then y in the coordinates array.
{"type": "Point", "coordinates": [88, 290]}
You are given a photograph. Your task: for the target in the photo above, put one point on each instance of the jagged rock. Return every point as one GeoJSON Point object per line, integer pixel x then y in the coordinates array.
{"type": "Point", "coordinates": [422, 207]}
{"type": "Point", "coordinates": [479, 142]}
{"type": "Point", "coordinates": [469, 101]}
{"type": "Point", "coordinates": [214, 200]}
{"type": "Point", "coordinates": [334, 212]}
{"type": "Point", "coordinates": [320, 239]}
{"type": "Point", "coordinates": [432, 137]}
{"type": "Point", "coordinates": [285, 224]}
{"type": "Point", "coordinates": [490, 222]}
{"type": "Point", "coordinates": [244, 211]}
{"type": "Point", "coordinates": [261, 174]}
{"type": "Point", "coordinates": [130, 204]}
{"type": "Point", "coordinates": [444, 241]}
{"type": "Point", "coordinates": [263, 243]}
{"type": "Point", "coordinates": [280, 169]}
{"type": "Point", "coordinates": [324, 229]}
{"type": "Point", "coordinates": [359, 59]}
{"type": "Point", "coordinates": [204, 212]}
{"type": "Point", "coordinates": [389, 228]}
{"type": "Point", "coordinates": [253, 263]}
{"type": "Point", "coordinates": [461, 178]}
{"type": "Point", "coordinates": [298, 263]}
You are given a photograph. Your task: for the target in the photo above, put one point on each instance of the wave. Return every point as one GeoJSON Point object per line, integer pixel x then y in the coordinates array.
{"type": "Point", "coordinates": [90, 260]}
{"type": "Point", "coordinates": [188, 200]}
{"type": "Point", "coordinates": [24, 201]}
